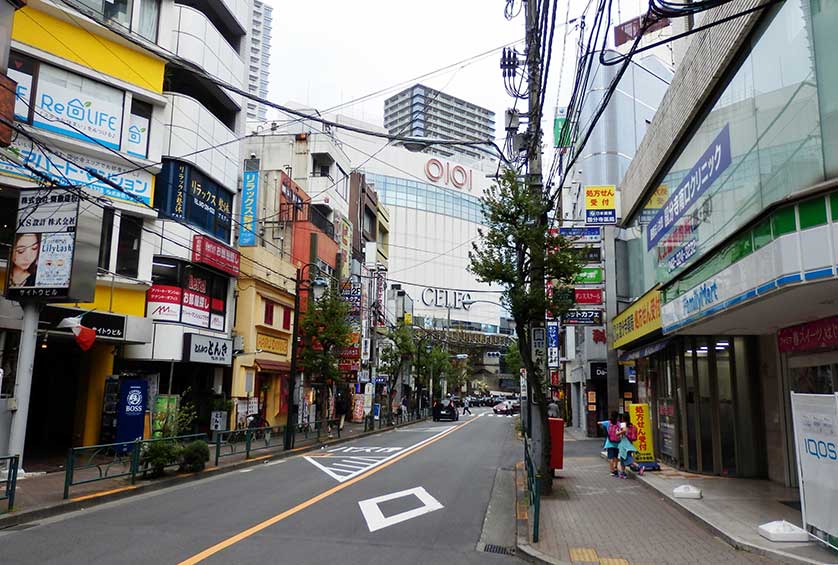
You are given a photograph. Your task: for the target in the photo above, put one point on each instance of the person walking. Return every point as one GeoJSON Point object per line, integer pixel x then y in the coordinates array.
{"type": "Point", "coordinates": [466, 406]}
{"type": "Point", "coordinates": [613, 434]}
{"type": "Point", "coordinates": [627, 448]}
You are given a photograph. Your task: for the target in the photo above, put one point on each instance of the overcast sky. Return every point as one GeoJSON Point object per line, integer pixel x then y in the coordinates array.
{"type": "Point", "coordinates": [327, 52]}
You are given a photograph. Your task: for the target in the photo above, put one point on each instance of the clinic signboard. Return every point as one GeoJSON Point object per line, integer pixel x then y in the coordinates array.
{"type": "Point", "coordinates": [44, 264]}
{"type": "Point", "coordinates": [600, 205]}
{"type": "Point", "coordinates": [816, 439]}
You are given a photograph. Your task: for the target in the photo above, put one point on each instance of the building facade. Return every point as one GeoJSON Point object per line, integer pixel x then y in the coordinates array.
{"type": "Point", "coordinates": [259, 63]}
{"type": "Point", "coordinates": [136, 137]}
{"type": "Point", "coordinates": [421, 111]}
{"type": "Point", "coordinates": [728, 233]}
{"type": "Point", "coordinates": [594, 383]}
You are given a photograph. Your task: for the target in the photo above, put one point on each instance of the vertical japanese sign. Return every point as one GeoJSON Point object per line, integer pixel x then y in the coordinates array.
{"type": "Point", "coordinates": [552, 344]}
{"type": "Point", "coordinates": [130, 421]}
{"type": "Point", "coordinates": [600, 205]}
{"type": "Point", "coordinates": [559, 122]}
{"type": "Point", "coordinates": [41, 257]}
{"type": "Point", "coordinates": [249, 208]}
{"type": "Point", "coordinates": [639, 414]}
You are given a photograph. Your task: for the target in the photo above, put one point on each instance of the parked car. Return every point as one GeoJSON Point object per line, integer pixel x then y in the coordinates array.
{"type": "Point", "coordinates": [445, 410]}
{"type": "Point", "coordinates": [497, 399]}
{"type": "Point", "coordinates": [507, 407]}
{"type": "Point", "coordinates": [457, 401]}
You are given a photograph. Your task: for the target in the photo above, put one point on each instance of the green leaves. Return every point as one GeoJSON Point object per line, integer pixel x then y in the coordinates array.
{"type": "Point", "coordinates": [325, 331]}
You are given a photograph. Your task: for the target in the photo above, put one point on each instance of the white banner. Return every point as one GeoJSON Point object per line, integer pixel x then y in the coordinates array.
{"type": "Point", "coordinates": [816, 438]}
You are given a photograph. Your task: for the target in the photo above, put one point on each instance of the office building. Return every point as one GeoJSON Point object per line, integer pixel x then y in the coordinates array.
{"type": "Point", "coordinates": [422, 111]}
{"type": "Point", "coordinates": [259, 63]}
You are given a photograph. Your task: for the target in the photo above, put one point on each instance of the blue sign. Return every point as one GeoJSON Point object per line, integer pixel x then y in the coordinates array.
{"type": "Point", "coordinates": [600, 217]}
{"type": "Point", "coordinates": [705, 171]}
{"type": "Point", "coordinates": [130, 422]}
{"type": "Point", "coordinates": [376, 411]}
{"type": "Point", "coordinates": [552, 335]}
{"type": "Point", "coordinates": [587, 235]}
{"type": "Point", "coordinates": [250, 204]}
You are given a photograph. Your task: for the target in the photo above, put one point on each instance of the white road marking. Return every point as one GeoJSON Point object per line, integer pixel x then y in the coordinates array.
{"type": "Point", "coordinates": [424, 430]}
{"type": "Point", "coordinates": [271, 463]}
{"type": "Point", "coordinates": [376, 519]}
{"type": "Point", "coordinates": [328, 461]}
{"type": "Point", "coordinates": [245, 470]}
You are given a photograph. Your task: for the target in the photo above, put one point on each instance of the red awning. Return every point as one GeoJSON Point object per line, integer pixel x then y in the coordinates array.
{"type": "Point", "coordinates": [273, 366]}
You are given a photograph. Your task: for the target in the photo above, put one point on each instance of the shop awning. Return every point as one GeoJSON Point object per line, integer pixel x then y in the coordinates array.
{"type": "Point", "coordinates": [645, 351]}
{"type": "Point", "coordinates": [273, 366]}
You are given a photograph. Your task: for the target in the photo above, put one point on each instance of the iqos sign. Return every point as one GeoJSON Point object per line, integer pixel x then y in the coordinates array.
{"type": "Point", "coordinates": [442, 298]}
{"type": "Point", "coordinates": [444, 173]}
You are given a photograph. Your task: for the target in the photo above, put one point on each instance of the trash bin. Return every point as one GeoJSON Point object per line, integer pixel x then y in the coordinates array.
{"type": "Point", "coordinates": [556, 443]}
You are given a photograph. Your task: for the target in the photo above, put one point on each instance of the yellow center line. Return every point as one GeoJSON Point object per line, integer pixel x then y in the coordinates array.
{"type": "Point", "coordinates": [222, 545]}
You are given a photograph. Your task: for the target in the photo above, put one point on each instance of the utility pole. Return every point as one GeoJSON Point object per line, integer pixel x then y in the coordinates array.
{"type": "Point", "coordinates": [540, 437]}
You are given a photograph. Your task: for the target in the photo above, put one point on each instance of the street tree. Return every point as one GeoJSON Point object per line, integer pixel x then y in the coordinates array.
{"type": "Point", "coordinates": [326, 331]}
{"type": "Point", "coordinates": [398, 356]}
{"type": "Point", "coordinates": [432, 361]}
{"type": "Point", "coordinates": [512, 359]}
{"type": "Point", "coordinates": [514, 242]}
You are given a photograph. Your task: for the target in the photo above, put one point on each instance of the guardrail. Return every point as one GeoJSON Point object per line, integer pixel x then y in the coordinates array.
{"type": "Point", "coordinates": [247, 440]}
{"type": "Point", "coordinates": [8, 477]}
{"type": "Point", "coordinates": [533, 488]}
{"type": "Point", "coordinates": [94, 463]}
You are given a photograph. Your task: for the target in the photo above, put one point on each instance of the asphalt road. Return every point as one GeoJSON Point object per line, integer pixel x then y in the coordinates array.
{"type": "Point", "coordinates": [423, 491]}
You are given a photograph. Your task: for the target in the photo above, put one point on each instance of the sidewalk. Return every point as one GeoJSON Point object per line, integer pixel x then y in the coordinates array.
{"type": "Point", "coordinates": [595, 518]}
{"type": "Point", "coordinates": [734, 508]}
{"type": "Point", "coordinates": [40, 496]}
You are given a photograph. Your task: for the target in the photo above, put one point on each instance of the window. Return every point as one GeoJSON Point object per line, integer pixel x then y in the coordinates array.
{"type": "Point", "coordinates": [138, 128]}
{"type": "Point", "coordinates": [22, 69]}
{"type": "Point", "coordinates": [128, 246]}
{"type": "Point", "coordinates": [105, 239]}
{"type": "Point", "coordinates": [269, 313]}
{"type": "Point", "coordinates": [149, 16]}
{"type": "Point", "coordinates": [286, 318]}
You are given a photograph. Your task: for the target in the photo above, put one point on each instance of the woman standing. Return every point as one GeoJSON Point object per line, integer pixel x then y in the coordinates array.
{"type": "Point", "coordinates": [613, 434]}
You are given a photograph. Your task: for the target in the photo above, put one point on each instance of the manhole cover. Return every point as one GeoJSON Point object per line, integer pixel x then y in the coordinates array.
{"type": "Point", "coordinates": [501, 549]}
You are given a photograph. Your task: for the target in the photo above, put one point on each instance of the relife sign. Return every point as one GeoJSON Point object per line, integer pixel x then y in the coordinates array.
{"type": "Point", "coordinates": [443, 298]}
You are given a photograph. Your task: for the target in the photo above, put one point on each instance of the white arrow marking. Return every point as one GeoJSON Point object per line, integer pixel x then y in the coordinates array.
{"type": "Point", "coordinates": [376, 519]}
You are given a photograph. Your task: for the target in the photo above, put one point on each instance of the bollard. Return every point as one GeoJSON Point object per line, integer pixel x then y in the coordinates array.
{"type": "Point", "coordinates": [68, 473]}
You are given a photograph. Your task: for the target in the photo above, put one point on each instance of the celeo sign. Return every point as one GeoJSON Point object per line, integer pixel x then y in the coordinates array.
{"type": "Point", "coordinates": [443, 298]}
{"type": "Point", "coordinates": [449, 175]}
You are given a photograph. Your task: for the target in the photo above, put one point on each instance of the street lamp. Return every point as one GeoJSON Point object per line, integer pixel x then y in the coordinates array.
{"type": "Point", "coordinates": [317, 288]}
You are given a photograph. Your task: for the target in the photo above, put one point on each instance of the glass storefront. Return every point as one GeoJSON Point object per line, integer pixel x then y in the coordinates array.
{"type": "Point", "coordinates": [705, 404]}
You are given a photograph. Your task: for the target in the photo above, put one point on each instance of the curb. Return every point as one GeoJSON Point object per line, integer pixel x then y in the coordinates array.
{"type": "Point", "coordinates": [12, 519]}
{"type": "Point", "coordinates": [522, 524]}
{"type": "Point", "coordinates": [729, 539]}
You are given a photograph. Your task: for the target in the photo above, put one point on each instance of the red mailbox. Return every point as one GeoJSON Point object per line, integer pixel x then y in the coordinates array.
{"type": "Point", "coordinates": [556, 442]}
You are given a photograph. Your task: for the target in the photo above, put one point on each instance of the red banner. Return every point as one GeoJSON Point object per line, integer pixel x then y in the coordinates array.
{"type": "Point", "coordinates": [820, 334]}
{"type": "Point", "coordinates": [210, 252]}
{"type": "Point", "coordinates": [588, 295]}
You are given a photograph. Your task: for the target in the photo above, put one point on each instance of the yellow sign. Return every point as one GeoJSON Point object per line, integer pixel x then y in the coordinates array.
{"type": "Point", "coordinates": [408, 319]}
{"type": "Point", "coordinates": [272, 344]}
{"type": "Point", "coordinates": [601, 197]}
{"type": "Point", "coordinates": [658, 198]}
{"type": "Point", "coordinates": [639, 414]}
{"type": "Point", "coordinates": [134, 64]}
{"type": "Point", "coordinates": [641, 318]}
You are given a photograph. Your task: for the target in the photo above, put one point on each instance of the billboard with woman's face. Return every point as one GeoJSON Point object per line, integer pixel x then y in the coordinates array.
{"type": "Point", "coordinates": [44, 246]}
